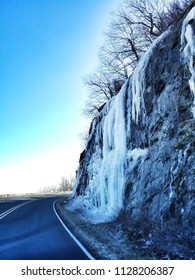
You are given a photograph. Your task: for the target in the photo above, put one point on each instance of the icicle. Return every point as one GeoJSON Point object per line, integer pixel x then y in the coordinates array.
{"type": "Point", "coordinates": [138, 80]}
{"type": "Point", "coordinates": [188, 49]}
{"type": "Point", "coordinates": [103, 196]}
{"type": "Point", "coordinates": [114, 156]}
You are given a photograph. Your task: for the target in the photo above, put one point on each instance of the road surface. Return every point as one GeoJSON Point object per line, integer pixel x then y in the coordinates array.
{"type": "Point", "coordinates": [30, 230]}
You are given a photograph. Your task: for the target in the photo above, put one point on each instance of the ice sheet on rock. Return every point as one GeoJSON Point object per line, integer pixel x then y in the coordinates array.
{"type": "Point", "coordinates": [138, 80]}
{"type": "Point", "coordinates": [188, 49]}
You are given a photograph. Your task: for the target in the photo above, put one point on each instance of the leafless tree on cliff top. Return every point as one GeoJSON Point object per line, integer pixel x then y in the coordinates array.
{"type": "Point", "coordinates": [133, 27]}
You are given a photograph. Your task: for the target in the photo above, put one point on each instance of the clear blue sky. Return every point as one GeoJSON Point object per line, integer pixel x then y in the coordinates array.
{"type": "Point", "coordinates": [46, 47]}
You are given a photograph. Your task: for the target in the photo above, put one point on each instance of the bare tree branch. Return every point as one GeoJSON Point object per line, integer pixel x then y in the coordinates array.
{"type": "Point", "coordinates": [133, 27]}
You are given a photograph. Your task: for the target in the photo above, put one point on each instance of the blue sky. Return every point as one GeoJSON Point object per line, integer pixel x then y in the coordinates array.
{"type": "Point", "coordinates": [46, 47]}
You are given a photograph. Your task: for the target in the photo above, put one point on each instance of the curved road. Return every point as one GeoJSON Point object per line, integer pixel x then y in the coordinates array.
{"type": "Point", "coordinates": [30, 230]}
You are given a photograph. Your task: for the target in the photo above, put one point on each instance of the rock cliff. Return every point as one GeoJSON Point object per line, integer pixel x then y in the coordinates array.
{"type": "Point", "coordinates": [139, 163]}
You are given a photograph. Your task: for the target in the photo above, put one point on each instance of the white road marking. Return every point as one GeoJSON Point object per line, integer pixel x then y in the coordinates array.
{"type": "Point", "coordinates": [72, 235]}
{"type": "Point", "coordinates": [4, 214]}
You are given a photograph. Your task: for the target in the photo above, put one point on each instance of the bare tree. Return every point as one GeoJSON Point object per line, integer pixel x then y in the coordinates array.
{"type": "Point", "coordinates": [49, 189]}
{"type": "Point", "coordinates": [170, 12]}
{"type": "Point", "coordinates": [66, 184]}
{"type": "Point", "coordinates": [133, 27]}
{"type": "Point", "coordinates": [71, 183]}
{"type": "Point", "coordinates": [102, 87]}
{"type": "Point", "coordinates": [114, 65]}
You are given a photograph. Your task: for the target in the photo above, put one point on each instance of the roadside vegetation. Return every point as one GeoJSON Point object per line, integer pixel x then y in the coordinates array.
{"type": "Point", "coordinates": [65, 185]}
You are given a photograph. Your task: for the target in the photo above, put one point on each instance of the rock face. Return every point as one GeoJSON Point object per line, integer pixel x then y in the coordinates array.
{"type": "Point", "coordinates": [139, 163]}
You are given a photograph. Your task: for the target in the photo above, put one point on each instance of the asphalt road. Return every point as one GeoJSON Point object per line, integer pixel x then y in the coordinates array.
{"type": "Point", "coordinates": [30, 230]}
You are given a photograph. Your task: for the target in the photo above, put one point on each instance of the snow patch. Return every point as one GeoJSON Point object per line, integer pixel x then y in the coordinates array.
{"type": "Point", "coordinates": [135, 154]}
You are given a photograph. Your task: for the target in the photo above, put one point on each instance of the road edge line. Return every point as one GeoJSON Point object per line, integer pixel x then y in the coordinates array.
{"type": "Point", "coordinates": [72, 235]}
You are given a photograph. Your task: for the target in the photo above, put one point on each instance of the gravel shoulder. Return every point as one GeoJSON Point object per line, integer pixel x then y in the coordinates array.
{"type": "Point", "coordinates": [103, 241]}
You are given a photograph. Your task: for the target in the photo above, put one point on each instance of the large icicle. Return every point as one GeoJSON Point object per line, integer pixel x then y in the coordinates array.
{"type": "Point", "coordinates": [103, 195]}
{"type": "Point", "coordinates": [114, 155]}
{"type": "Point", "coordinates": [188, 49]}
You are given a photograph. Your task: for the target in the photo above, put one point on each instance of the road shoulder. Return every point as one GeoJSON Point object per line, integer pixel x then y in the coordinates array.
{"type": "Point", "coordinates": [102, 241]}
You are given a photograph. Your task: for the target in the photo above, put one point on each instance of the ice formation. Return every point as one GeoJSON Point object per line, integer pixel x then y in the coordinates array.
{"type": "Point", "coordinates": [107, 165]}
{"type": "Point", "coordinates": [188, 49]}
{"type": "Point", "coordinates": [138, 80]}
{"type": "Point", "coordinates": [104, 194]}
{"type": "Point", "coordinates": [109, 155]}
